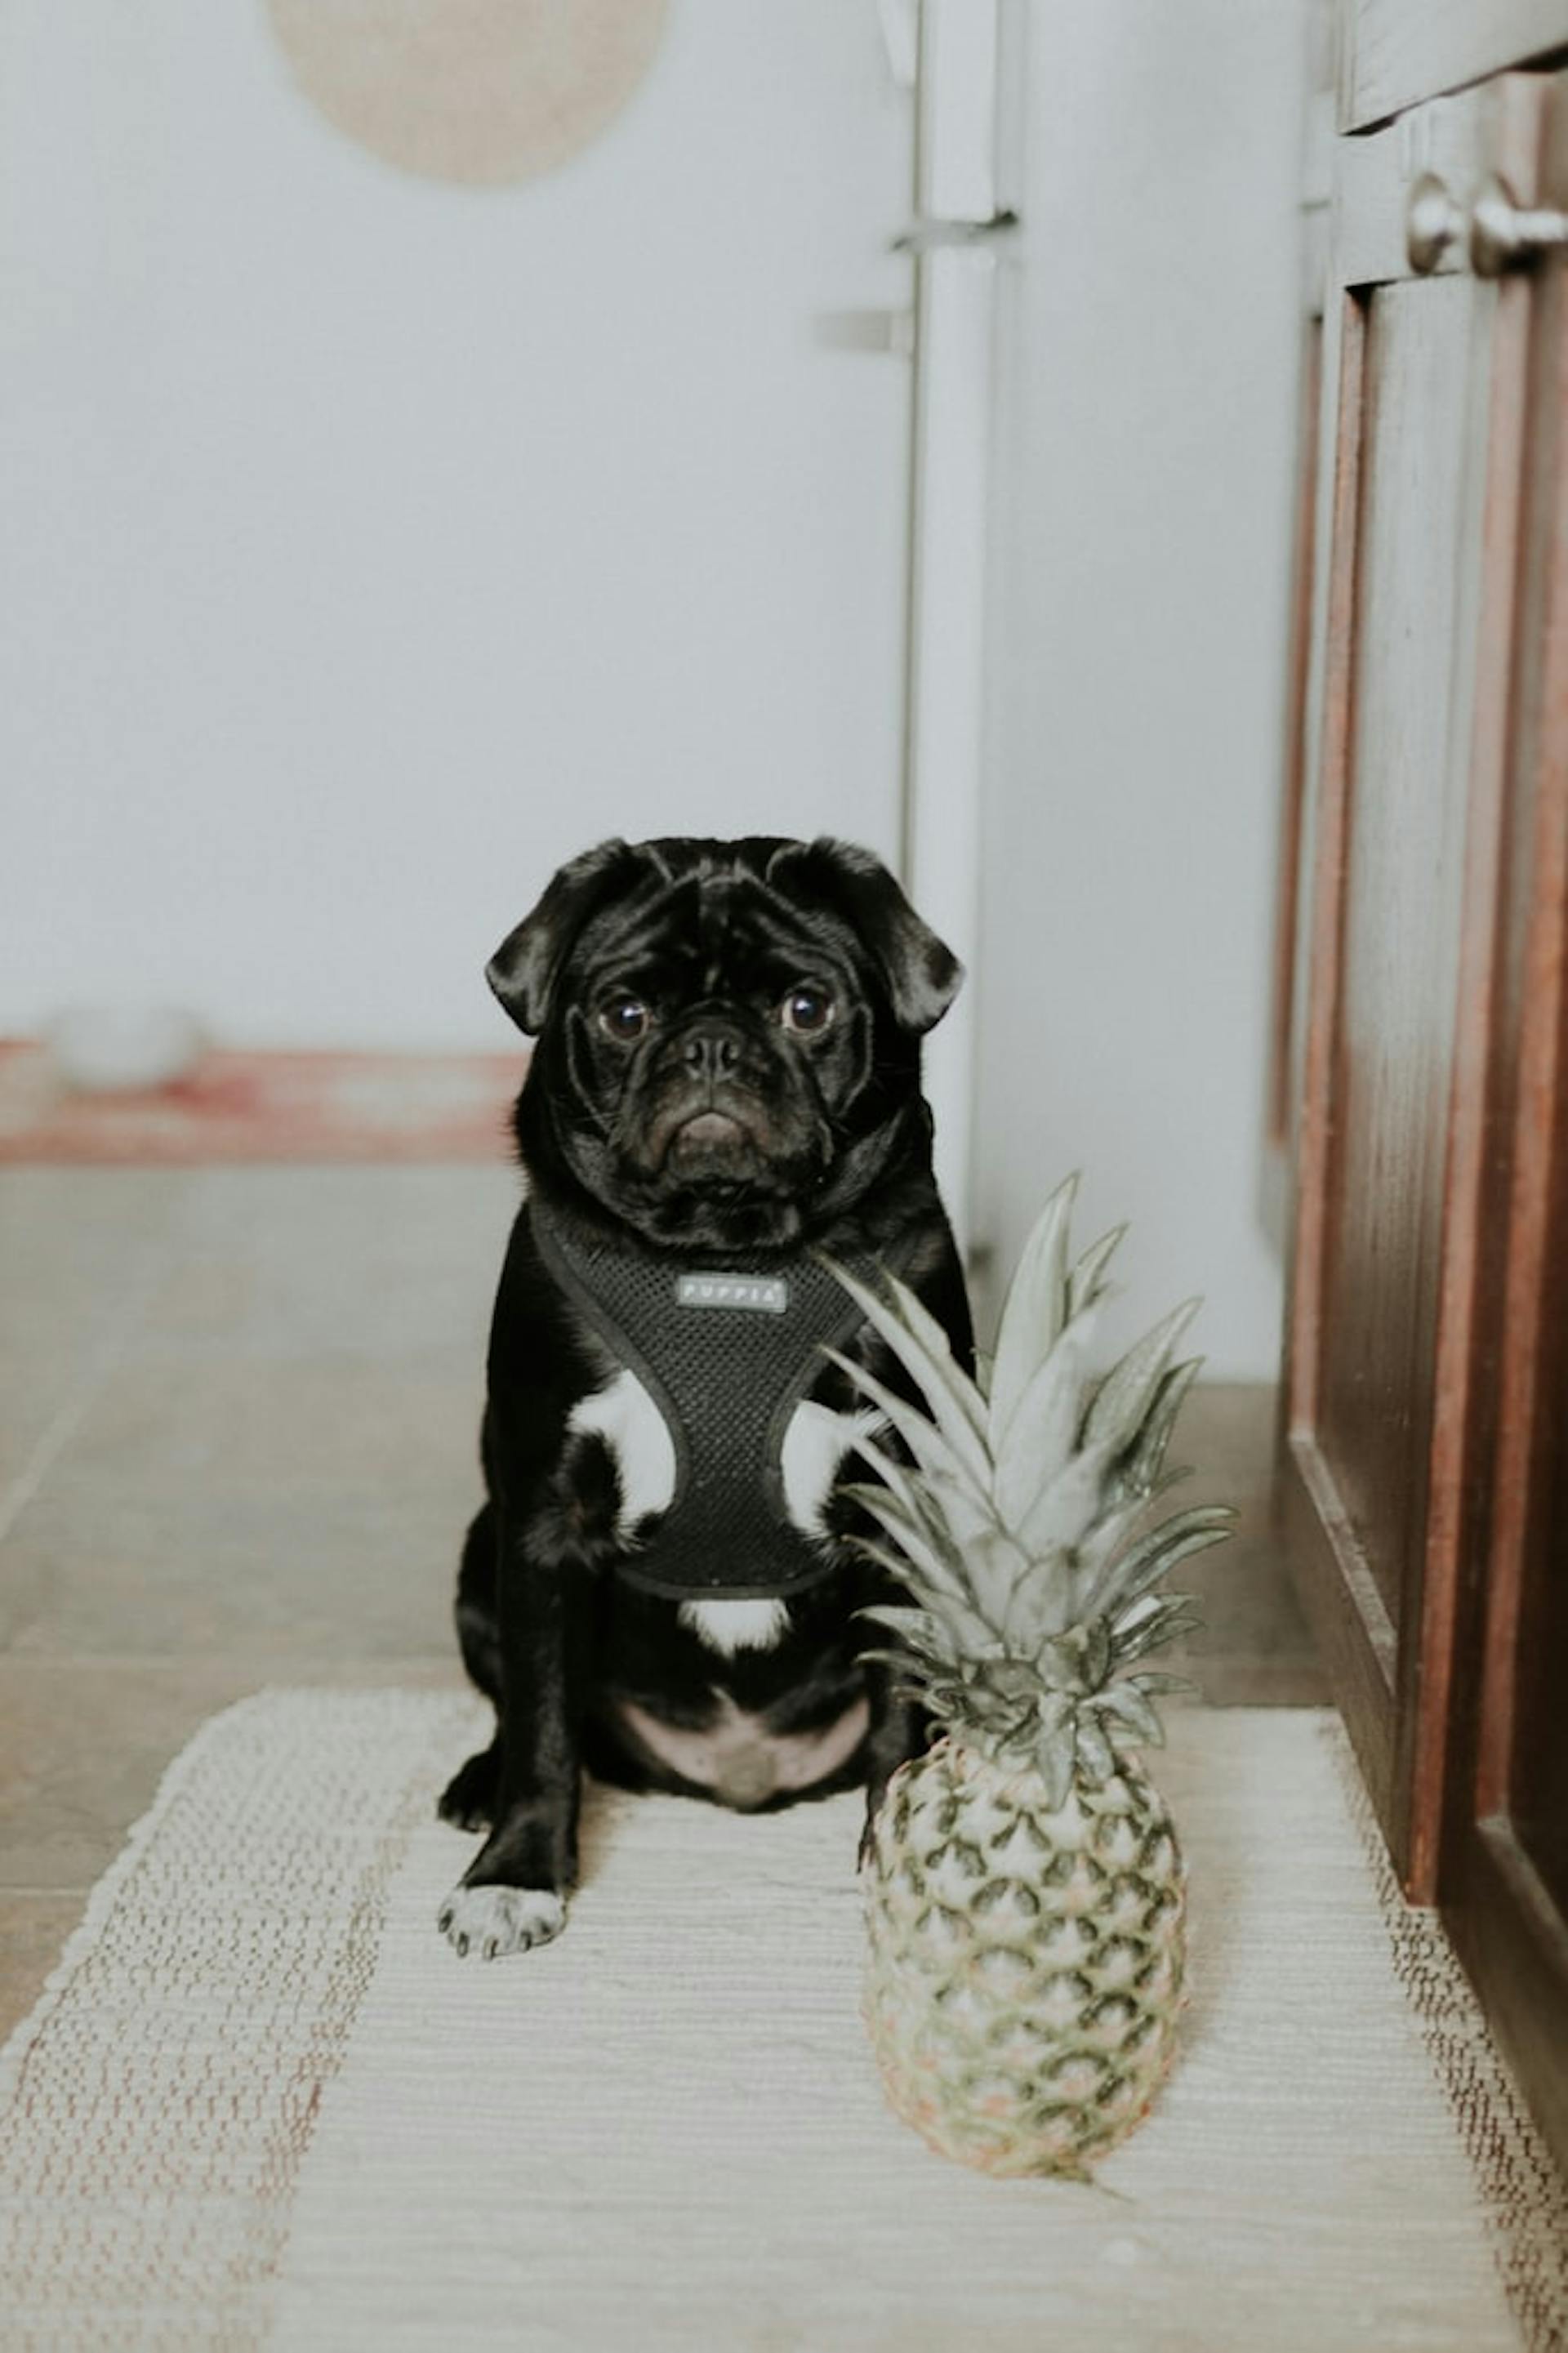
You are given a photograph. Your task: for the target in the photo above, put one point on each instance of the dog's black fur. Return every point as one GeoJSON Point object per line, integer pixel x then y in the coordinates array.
{"type": "Point", "coordinates": [723, 1113]}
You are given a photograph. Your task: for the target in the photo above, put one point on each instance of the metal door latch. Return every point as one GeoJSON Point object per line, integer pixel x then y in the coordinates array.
{"type": "Point", "coordinates": [928, 235]}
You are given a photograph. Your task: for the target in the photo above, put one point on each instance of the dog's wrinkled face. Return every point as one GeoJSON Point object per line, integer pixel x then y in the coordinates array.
{"type": "Point", "coordinates": [726, 1030]}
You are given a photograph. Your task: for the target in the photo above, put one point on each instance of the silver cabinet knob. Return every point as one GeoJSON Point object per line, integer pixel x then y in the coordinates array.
{"type": "Point", "coordinates": [1433, 222]}
{"type": "Point", "coordinates": [1505, 235]}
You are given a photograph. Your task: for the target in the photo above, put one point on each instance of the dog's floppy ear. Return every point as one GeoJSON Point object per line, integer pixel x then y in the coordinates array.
{"type": "Point", "coordinates": [922, 976]}
{"type": "Point", "coordinates": [524, 969]}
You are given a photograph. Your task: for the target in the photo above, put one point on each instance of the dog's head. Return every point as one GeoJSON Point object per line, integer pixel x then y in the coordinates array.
{"type": "Point", "coordinates": [728, 1030]}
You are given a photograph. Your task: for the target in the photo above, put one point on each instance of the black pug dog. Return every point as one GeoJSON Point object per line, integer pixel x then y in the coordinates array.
{"type": "Point", "coordinates": [726, 1087]}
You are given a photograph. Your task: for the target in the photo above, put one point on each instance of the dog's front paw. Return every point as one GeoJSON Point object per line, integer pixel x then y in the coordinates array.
{"type": "Point", "coordinates": [495, 1920]}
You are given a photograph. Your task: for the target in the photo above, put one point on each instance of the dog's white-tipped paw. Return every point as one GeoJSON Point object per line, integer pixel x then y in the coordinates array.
{"type": "Point", "coordinates": [490, 1921]}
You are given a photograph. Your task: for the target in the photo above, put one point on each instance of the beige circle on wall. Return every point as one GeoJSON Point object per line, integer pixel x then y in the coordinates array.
{"type": "Point", "coordinates": [480, 91]}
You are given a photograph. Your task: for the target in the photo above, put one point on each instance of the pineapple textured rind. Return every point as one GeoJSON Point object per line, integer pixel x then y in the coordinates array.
{"type": "Point", "coordinates": [1026, 1963]}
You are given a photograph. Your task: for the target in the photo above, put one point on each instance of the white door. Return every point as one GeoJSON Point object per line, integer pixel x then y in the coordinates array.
{"type": "Point", "coordinates": [1147, 338]}
{"type": "Point", "coordinates": [378, 542]}
{"type": "Point", "coordinates": [959, 227]}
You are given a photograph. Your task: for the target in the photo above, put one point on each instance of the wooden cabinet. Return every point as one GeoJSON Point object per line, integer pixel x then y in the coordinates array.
{"type": "Point", "coordinates": [1503, 1865]}
{"type": "Point", "coordinates": [1423, 1477]}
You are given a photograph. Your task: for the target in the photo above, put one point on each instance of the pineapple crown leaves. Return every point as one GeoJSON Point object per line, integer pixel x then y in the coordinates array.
{"type": "Point", "coordinates": [1036, 1309]}
{"type": "Point", "coordinates": [1013, 1523]}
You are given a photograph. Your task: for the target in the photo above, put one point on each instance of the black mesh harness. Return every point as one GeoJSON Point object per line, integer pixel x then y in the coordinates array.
{"type": "Point", "coordinates": [727, 1349]}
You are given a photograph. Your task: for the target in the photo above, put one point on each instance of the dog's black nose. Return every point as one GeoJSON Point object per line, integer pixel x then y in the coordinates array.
{"type": "Point", "coordinates": [711, 1052]}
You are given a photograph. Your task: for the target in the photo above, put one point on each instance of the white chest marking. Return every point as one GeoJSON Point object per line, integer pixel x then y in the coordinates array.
{"type": "Point", "coordinates": [730, 1626]}
{"type": "Point", "coordinates": [739, 1759]}
{"type": "Point", "coordinates": [632, 1426]}
{"type": "Point", "coordinates": [811, 1456]}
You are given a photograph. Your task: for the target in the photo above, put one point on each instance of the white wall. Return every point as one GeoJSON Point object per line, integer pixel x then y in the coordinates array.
{"type": "Point", "coordinates": [1143, 491]}
{"type": "Point", "coordinates": [371, 545]}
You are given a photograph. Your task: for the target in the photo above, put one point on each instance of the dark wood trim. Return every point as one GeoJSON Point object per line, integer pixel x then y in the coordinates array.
{"type": "Point", "coordinates": [1288, 881]}
{"type": "Point", "coordinates": [1342, 1606]}
{"type": "Point", "coordinates": [1534, 1287]}
{"type": "Point", "coordinates": [1513, 1945]}
{"type": "Point", "coordinates": [1328, 881]}
{"type": "Point", "coordinates": [1338, 1591]}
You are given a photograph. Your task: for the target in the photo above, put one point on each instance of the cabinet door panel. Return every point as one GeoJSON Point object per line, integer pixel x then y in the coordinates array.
{"type": "Point", "coordinates": [1504, 1885]}
{"type": "Point", "coordinates": [1400, 931]}
{"type": "Point", "coordinates": [1384, 1401]}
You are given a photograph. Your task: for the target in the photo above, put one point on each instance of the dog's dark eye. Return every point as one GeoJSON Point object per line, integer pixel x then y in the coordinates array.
{"type": "Point", "coordinates": [624, 1018]}
{"type": "Point", "coordinates": [806, 1009]}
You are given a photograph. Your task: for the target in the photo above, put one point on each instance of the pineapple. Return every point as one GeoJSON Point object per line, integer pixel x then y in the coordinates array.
{"type": "Point", "coordinates": [1024, 1884]}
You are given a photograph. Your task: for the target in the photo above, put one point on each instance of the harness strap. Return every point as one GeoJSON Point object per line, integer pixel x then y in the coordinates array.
{"type": "Point", "coordinates": [727, 1349]}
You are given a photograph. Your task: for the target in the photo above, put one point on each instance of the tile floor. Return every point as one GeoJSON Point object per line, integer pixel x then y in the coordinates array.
{"type": "Point", "coordinates": [237, 1418]}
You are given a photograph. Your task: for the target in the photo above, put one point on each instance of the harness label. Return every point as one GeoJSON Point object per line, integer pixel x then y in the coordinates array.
{"type": "Point", "coordinates": [764, 1295]}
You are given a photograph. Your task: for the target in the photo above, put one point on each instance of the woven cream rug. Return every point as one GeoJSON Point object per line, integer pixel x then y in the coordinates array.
{"type": "Point", "coordinates": [261, 2104]}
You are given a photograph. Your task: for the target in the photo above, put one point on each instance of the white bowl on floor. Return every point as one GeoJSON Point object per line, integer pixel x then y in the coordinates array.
{"type": "Point", "coordinates": [123, 1049]}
